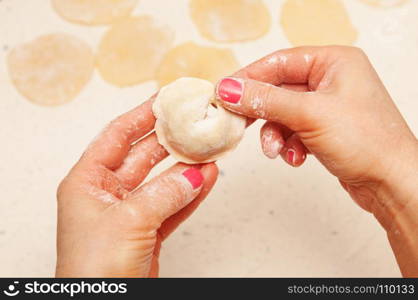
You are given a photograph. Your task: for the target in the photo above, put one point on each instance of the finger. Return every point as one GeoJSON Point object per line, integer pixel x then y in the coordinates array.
{"type": "Point", "coordinates": [292, 87]}
{"type": "Point", "coordinates": [294, 152]}
{"type": "Point", "coordinates": [210, 174]}
{"type": "Point", "coordinates": [301, 65]}
{"type": "Point", "coordinates": [294, 69]}
{"type": "Point", "coordinates": [273, 138]}
{"type": "Point", "coordinates": [142, 157]}
{"type": "Point", "coordinates": [167, 193]}
{"type": "Point", "coordinates": [260, 100]}
{"type": "Point", "coordinates": [295, 87]}
{"type": "Point", "coordinates": [113, 144]}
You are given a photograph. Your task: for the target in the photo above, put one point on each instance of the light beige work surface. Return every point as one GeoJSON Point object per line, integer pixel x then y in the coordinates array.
{"type": "Point", "coordinates": [262, 219]}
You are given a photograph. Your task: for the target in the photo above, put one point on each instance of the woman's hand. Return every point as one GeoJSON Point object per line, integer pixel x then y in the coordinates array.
{"type": "Point", "coordinates": [330, 102]}
{"type": "Point", "coordinates": [107, 225]}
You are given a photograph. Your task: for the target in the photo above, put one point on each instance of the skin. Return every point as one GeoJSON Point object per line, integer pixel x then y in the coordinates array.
{"type": "Point", "coordinates": [109, 225]}
{"type": "Point", "coordinates": [325, 101]}
{"type": "Point", "coordinates": [329, 101]}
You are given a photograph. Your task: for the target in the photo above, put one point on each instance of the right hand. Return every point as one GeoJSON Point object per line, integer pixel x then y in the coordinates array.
{"type": "Point", "coordinates": [330, 102]}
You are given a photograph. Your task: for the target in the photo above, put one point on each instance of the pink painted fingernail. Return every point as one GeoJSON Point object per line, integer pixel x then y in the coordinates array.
{"type": "Point", "coordinates": [230, 90]}
{"type": "Point", "coordinates": [291, 156]}
{"type": "Point", "coordinates": [194, 176]}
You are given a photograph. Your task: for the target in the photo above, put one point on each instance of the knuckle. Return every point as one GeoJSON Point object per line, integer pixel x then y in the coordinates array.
{"type": "Point", "coordinates": [175, 191]}
{"type": "Point", "coordinates": [358, 52]}
{"type": "Point", "coordinates": [259, 100]}
{"type": "Point", "coordinates": [352, 52]}
{"type": "Point", "coordinates": [347, 51]}
{"type": "Point", "coordinates": [63, 188]}
{"type": "Point", "coordinates": [267, 100]}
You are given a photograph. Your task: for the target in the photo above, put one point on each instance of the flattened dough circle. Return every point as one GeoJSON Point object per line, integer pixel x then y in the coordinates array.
{"type": "Point", "coordinates": [94, 12]}
{"type": "Point", "coordinates": [52, 69]}
{"type": "Point", "coordinates": [317, 22]}
{"type": "Point", "coordinates": [131, 50]}
{"type": "Point", "coordinates": [191, 60]}
{"type": "Point", "coordinates": [231, 20]}
{"type": "Point", "coordinates": [189, 127]}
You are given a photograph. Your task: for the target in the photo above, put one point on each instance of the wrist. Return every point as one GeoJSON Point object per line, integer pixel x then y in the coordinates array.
{"type": "Point", "coordinates": [396, 208]}
{"type": "Point", "coordinates": [397, 192]}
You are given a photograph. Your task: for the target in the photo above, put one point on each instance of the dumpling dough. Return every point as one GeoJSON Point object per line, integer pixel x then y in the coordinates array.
{"type": "Point", "coordinates": [188, 125]}
{"type": "Point", "coordinates": [317, 22]}
{"type": "Point", "coordinates": [52, 69]}
{"type": "Point", "coordinates": [192, 60]}
{"type": "Point", "coordinates": [94, 12]}
{"type": "Point", "coordinates": [231, 20]}
{"type": "Point", "coordinates": [131, 50]}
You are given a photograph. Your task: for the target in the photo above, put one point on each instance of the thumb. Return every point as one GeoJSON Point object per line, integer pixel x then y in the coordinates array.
{"type": "Point", "coordinates": [168, 193]}
{"type": "Point", "coordinates": [261, 100]}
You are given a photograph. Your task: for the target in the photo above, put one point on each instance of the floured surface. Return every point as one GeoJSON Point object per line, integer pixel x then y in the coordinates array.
{"type": "Point", "coordinates": [230, 21]}
{"type": "Point", "coordinates": [131, 50]}
{"type": "Point", "coordinates": [317, 22]}
{"type": "Point", "coordinates": [94, 12]}
{"type": "Point", "coordinates": [52, 69]}
{"type": "Point", "coordinates": [189, 127]}
{"type": "Point", "coordinates": [192, 60]}
{"type": "Point", "coordinates": [385, 3]}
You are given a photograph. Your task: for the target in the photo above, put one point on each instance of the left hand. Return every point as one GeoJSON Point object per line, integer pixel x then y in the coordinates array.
{"type": "Point", "coordinates": [107, 225]}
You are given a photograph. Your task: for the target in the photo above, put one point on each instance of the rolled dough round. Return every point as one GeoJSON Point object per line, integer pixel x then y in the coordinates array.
{"type": "Point", "coordinates": [52, 69]}
{"type": "Point", "coordinates": [317, 22]}
{"type": "Point", "coordinates": [94, 12]}
{"type": "Point", "coordinates": [131, 50]}
{"type": "Point", "coordinates": [231, 20]}
{"type": "Point", "coordinates": [191, 60]}
{"type": "Point", "coordinates": [191, 126]}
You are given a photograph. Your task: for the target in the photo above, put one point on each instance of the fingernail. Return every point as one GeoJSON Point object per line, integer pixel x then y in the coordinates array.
{"type": "Point", "coordinates": [230, 90]}
{"type": "Point", "coordinates": [194, 176]}
{"type": "Point", "coordinates": [291, 156]}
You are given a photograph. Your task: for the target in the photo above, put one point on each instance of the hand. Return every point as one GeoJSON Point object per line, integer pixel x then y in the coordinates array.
{"type": "Point", "coordinates": [330, 102]}
{"type": "Point", "coordinates": [107, 225]}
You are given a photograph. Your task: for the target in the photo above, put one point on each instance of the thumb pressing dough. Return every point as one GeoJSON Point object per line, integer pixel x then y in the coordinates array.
{"type": "Point", "coordinates": [191, 126]}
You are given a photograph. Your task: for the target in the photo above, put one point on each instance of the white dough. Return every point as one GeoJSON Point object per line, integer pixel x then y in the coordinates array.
{"type": "Point", "coordinates": [189, 126]}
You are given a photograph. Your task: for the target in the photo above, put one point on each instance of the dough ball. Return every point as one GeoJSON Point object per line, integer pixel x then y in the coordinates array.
{"type": "Point", "coordinates": [191, 60]}
{"type": "Point", "coordinates": [191, 126]}
{"type": "Point", "coordinates": [385, 3]}
{"type": "Point", "coordinates": [232, 20]}
{"type": "Point", "coordinates": [130, 52]}
{"type": "Point", "coordinates": [52, 69]}
{"type": "Point", "coordinates": [94, 12]}
{"type": "Point", "coordinates": [317, 22]}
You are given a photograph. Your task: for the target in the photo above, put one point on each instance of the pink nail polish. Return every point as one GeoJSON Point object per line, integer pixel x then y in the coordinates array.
{"type": "Point", "coordinates": [291, 156]}
{"type": "Point", "coordinates": [230, 90]}
{"type": "Point", "coordinates": [194, 176]}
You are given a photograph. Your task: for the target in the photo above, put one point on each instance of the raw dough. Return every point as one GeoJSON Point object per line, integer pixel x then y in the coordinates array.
{"type": "Point", "coordinates": [317, 22]}
{"type": "Point", "coordinates": [52, 69]}
{"type": "Point", "coordinates": [385, 3]}
{"type": "Point", "coordinates": [189, 127]}
{"type": "Point", "coordinates": [191, 60]}
{"type": "Point", "coordinates": [131, 50]}
{"type": "Point", "coordinates": [94, 12]}
{"type": "Point", "coordinates": [232, 20]}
